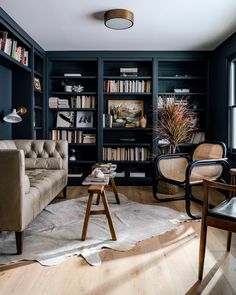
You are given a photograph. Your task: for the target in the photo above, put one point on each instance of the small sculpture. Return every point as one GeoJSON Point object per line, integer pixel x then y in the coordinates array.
{"type": "Point", "coordinates": [77, 88]}
{"type": "Point", "coordinates": [143, 122]}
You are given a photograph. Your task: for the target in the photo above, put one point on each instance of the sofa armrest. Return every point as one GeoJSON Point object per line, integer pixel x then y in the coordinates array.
{"type": "Point", "coordinates": [12, 173]}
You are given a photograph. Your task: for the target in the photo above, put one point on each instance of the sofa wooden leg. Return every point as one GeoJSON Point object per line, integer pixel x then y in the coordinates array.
{"type": "Point", "coordinates": [65, 192]}
{"type": "Point", "coordinates": [19, 241]}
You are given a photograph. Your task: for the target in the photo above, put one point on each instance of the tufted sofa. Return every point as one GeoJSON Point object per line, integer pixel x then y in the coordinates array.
{"type": "Point", "coordinates": [32, 173]}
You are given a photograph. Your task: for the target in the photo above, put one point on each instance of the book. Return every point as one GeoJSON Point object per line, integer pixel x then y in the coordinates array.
{"type": "Point", "coordinates": [72, 75]}
{"type": "Point", "coordinates": [137, 174]}
{"type": "Point", "coordinates": [65, 119]}
{"type": "Point", "coordinates": [3, 36]}
{"type": "Point", "coordinates": [8, 45]}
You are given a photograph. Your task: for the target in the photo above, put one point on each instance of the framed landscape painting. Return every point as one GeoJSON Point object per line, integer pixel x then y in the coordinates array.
{"type": "Point", "coordinates": [129, 111]}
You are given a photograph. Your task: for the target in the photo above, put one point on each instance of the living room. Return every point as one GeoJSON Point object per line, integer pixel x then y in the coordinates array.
{"type": "Point", "coordinates": [87, 94]}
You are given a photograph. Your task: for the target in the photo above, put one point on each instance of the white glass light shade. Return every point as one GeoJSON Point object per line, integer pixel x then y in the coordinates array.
{"type": "Point", "coordinates": [13, 117]}
{"type": "Point", "coordinates": [119, 19]}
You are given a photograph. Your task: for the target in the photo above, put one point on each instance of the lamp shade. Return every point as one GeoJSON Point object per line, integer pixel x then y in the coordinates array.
{"type": "Point", "coordinates": [119, 19]}
{"type": "Point", "coordinates": [13, 117]}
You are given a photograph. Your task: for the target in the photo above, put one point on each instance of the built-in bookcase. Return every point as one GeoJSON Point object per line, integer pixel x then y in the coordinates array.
{"type": "Point", "coordinates": [72, 111]}
{"type": "Point", "coordinates": [127, 87]}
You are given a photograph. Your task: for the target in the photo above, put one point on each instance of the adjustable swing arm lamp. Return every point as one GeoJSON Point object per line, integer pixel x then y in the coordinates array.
{"type": "Point", "coordinates": [14, 117]}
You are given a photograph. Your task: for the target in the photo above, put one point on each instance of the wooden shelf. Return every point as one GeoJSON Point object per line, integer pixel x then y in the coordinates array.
{"type": "Point", "coordinates": [72, 93]}
{"type": "Point", "coordinates": [181, 78]}
{"type": "Point", "coordinates": [73, 78]}
{"type": "Point", "coordinates": [128, 93]}
{"type": "Point", "coordinates": [10, 61]}
{"type": "Point", "coordinates": [127, 78]}
{"type": "Point", "coordinates": [71, 109]}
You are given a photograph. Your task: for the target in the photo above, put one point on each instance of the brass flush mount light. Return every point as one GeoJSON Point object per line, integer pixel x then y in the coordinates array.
{"type": "Point", "coordinates": [119, 19]}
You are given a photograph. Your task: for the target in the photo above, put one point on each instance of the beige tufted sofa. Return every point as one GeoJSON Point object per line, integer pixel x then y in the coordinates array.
{"type": "Point", "coordinates": [32, 173]}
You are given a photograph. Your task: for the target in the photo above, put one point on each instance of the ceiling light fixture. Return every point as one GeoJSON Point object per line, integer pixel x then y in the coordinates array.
{"type": "Point", "coordinates": [119, 19]}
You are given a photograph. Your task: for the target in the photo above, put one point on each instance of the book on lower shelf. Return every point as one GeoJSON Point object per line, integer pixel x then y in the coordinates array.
{"type": "Point", "coordinates": [137, 174]}
{"type": "Point", "coordinates": [73, 136]}
{"type": "Point", "coordinates": [126, 154]}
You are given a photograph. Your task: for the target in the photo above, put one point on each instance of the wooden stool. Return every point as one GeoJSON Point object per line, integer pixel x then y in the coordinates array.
{"type": "Point", "coordinates": [113, 186]}
{"type": "Point", "coordinates": [99, 190]}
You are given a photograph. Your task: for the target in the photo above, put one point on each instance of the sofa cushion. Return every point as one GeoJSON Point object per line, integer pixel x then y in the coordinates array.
{"type": "Point", "coordinates": [42, 163]}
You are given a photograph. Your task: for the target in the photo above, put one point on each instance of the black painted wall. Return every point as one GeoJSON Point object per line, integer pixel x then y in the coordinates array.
{"type": "Point", "coordinates": [218, 92]}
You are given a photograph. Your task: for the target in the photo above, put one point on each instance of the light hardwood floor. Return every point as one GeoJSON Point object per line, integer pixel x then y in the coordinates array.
{"type": "Point", "coordinates": [167, 264]}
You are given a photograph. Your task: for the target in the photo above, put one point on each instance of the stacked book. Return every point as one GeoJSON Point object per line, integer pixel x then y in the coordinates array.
{"type": "Point", "coordinates": [139, 86]}
{"type": "Point", "coordinates": [10, 47]}
{"type": "Point", "coordinates": [107, 121]}
{"type": "Point", "coordinates": [72, 75]}
{"type": "Point", "coordinates": [83, 101]}
{"type": "Point", "coordinates": [73, 136]}
{"type": "Point", "coordinates": [126, 154]}
{"type": "Point", "coordinates": [89, 138]}
{"type": "Point", "coordinates": [58, 103]}
{"type": "Point", "coordinates": [133, 72]}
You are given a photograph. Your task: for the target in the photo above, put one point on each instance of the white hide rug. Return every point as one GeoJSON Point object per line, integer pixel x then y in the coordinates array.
{"type": "Point", "coordinates": [56, 233]}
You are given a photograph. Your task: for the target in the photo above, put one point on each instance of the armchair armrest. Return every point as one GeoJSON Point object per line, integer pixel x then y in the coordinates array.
{"type": "Point", "coordinates": [208, 169]}
{"type": "Point", "coordinates": [12, 192]}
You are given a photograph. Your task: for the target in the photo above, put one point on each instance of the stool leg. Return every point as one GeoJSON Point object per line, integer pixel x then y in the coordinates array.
{"type": "Point", "coordinates": [108, 214]}
{"type": "Point", "coordinates": [86, 219]}
{"type": "Point", "coordinates": [113, 185]}
{"type": "Point", "coordinates": [98, 199]}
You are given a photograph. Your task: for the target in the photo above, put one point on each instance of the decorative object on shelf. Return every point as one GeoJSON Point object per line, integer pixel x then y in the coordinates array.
{"type": "Point", "coordinates": [129, 111]}
{"type": "Point", "coordinates": [129, 72]}
{"type": "Point", "coordinates": [14, 117]}
{"type": "Point", "coordinates": [143, 122]}
{"type": "Point", "coordinates": [72, 155]}
{"type": "Point", "coordinates": [72, 75]}
{"type": "Point", "coordinates": [195, 104]}
{"type": "Point", "coordinates": [119, 19]}
{"type": "Point", "coordinates": [137, 124]}
{"type": "Point", "coordinates": [84, 119]}
{"type": "Point", "coordinates": [78, 88]}
{"type": "Point", "coordinates": [175, 124]}
{"type": "Point", "coordinates": [37, 84]}
{"type": "Point", "coordinates": [65, 119]}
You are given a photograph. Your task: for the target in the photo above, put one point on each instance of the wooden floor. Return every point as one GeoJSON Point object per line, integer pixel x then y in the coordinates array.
{"type": "Point", "coordinates": [166, 264]}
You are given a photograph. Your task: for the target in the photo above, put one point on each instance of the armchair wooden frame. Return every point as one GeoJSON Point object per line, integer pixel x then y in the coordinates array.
{"type": "Point", "coordinates": [186, 183]}
{"type": "Point", "coordinates": [214, 219]}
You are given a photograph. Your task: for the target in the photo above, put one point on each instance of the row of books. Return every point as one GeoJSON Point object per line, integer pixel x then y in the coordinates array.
{"type": "Point", "coordinates": [165, 100]}
{"type": "Point", "coordinates": [127, 86]}
{"type": "Point", "coordinates": [80, 102]}
{"type": "Point", "coordinates": [73, 136]}
{"type": "Point", "coordinates": [10, 47]}
{"type": "Point", "coordinates": [126, 154]}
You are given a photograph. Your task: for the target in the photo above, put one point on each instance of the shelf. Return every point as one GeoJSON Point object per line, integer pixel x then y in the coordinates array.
{"type": "Point", "coordinates": [38, 91]}
{"type": "Point", "coordinates": [127, 129]}
{"type": "Point", "coordinates": [72, 93]}
{"type": "Point", "coordinates": [181, 94]}
{"type": "Point", "coordinates": [73, 128]}
{"type": "Point", "coordinates": [127, 144]}
{"type": "Point", "coordinates": [73, 78]}
{"type": "Point", "coordinates": [82, 144]}
{"type": "Point", "coordinates": [127, 162]}
{"type": "Point", "coordinates": [71, 109]}
{"type": "Point", "coordinates": [38, 108]}
{"type": "Point", "coordinates": [36, 73]}
{"type": "Point", "coordinates": [128, 93]}
{"type": "Point", "coordinates": [127, 78]}
{"type": "Point", "coordinates": [10, 61]}
{"type": "Point", "coordinates": [181, 78]}
{"type": "Point", "coordinates": [82, 162]}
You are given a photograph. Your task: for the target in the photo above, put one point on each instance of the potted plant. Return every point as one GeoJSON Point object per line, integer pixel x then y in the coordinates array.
{"type": "Point", "coordinates": [176, 123]}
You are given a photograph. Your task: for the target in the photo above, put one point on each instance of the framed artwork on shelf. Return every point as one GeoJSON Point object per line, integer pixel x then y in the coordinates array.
{"type": "Point", "coordinates": [127, 112]}
{"type": "Point", "coordinates": [84, 119]}
{"type": "Point", "coordinates": [37, 84]}
{"type": "Point", "coordinates": [65, 119]}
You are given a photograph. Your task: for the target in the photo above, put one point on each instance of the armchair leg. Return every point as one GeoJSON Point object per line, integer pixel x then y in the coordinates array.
{"type": "Point", "coordinates": [65, 192]}
{"type": "Point", "coordinates": [188, 202]}
{"type": "Point", "coordinates": [202, 250]}
{"type": "Point", "coordinates": [19, 241]}
{"type": "Point", "coordinates": [229, 240]}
